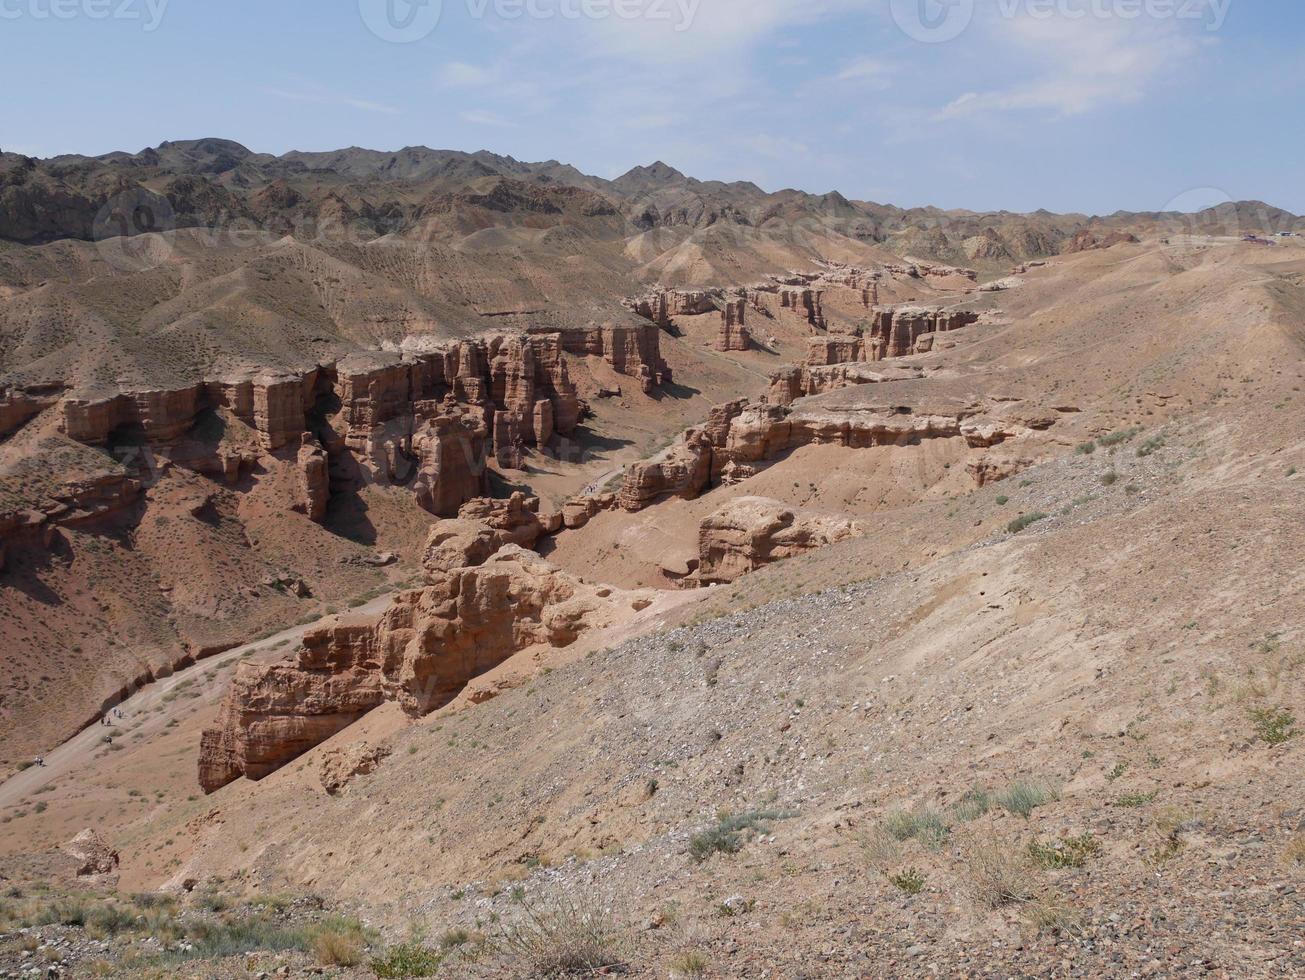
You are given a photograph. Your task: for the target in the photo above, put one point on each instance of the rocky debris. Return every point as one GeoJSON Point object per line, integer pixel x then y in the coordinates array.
{"type": "Point", "coordinates": [289, 583]}
{"type": "Point", "coordinates": [382, 559]}
{"type": "Point", "coordinates": [94, 857]}
{"type": "Point", "coordinates": [751, 532]}
{"type": "Point", "coordinates": [735, 473]}
{"type": "Point", "coordinates": [341, 766]}
{"type": "Point", "coordinates": [420, 653]}
{"type": "Point", "coordinates": [1001, 285]}
{"type": "Point", "coordinates": [992, 469]}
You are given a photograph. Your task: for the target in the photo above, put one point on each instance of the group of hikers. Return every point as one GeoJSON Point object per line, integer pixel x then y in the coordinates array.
{"type": "Point", "coordinates": [105, 720]}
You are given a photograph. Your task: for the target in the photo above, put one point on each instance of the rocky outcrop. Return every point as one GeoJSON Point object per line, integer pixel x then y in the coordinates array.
{"type": "Point", "coordinates": [744, 435]}
{"type": "Point", "coordinates": [94, 857]}
{"type": "Point", "coordinates": [483, 528]}
{"type": "Point", "coordinates": [340, 767]}
{"type": "Point", "coordinates": [686, 468]}
{"type": "Point", "coordinates": [789, 384]}
{"type": "Point", "coordinates": [19, 406]}
{"type": "Point", "coordinates": [314, 489]}
{"type": "Point", "coordinates": [426, 417]}
{"type": "Point", "coordinates": [734, 335]}
{"type": "Point", "coordinates": [897, 332]}
{"type": "Point", "coordinates": [420, 654]}
{"type": "Point", "coordinates": [630, 349]}
{"type": "Point", "coordinates": [751, 532]}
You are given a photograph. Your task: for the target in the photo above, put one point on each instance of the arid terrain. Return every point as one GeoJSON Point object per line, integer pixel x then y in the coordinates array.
{"type": "Point", "coordinates": [437, 564]}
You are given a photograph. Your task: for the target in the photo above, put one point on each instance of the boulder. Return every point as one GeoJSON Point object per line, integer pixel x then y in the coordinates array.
{"type": "Point", "coordinates": [750, 532]}
{"type": "Point", "coordinates": [93, 856]}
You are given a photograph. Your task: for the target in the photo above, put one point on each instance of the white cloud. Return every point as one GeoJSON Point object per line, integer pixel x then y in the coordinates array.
{"type": "Point", "coordinates": [483, 117]}
{"type": "Point", "coordinates": [459, 74]}
{"type": "Point", "coordinates": [318, 97]}
{"type": "Point", "coordinates": [1076, 66]}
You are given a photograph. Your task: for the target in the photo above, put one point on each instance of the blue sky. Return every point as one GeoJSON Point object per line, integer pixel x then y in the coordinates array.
{"type": "Point", "coordinates": [1082, 105]}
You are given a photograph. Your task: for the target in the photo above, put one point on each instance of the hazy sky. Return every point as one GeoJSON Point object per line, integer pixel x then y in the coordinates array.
{"type": "Point", "coordinates": [1086, 105]}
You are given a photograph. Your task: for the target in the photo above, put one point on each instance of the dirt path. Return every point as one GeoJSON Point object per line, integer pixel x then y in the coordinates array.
{"type": "Point", "coordinates": [151, 707]}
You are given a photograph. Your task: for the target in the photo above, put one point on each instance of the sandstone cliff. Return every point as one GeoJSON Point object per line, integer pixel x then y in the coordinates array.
{"type": "Point", "coordinates": [421, 653]}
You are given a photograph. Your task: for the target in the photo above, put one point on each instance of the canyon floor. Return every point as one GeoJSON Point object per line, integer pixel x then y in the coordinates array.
{"type": "Point", "coordinates": [1037, 711]}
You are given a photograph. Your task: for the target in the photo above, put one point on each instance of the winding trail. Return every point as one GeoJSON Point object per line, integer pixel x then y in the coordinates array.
{"type": "Point", "coordinates": [151, 707]}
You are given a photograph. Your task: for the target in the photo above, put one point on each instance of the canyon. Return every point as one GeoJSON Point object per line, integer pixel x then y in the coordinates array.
{"type": "Point", "coordinates": [479, 540]}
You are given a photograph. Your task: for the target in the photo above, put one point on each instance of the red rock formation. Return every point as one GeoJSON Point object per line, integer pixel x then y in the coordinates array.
{"type": "Point", "coordinates": [896, 332]}
{"type": "Point", "coordinates": [734, 335]}
{"type": "Point", "coordinates": [421, 653]}
{"type": "Point", "coordinates": [450, 460]}
{"type": "Point", "coordinates": [18, 406]}
{"type": "Point", "coordinates": [806, 303]}
{"type": "Point", "coordinates": [835, 349]}
{"type": "Point", "coordinates": [631, 349]}
{"type": "Point", "coordinates": [315, 482]}
{"type": "Point", "coordinates": [482, 528]}
{"type": "Point", "coordinates": [789, 384]}
{"type": "Point", "coordinates": [686, 468]}
{"type": "Point", "coordinates": [750, 532]}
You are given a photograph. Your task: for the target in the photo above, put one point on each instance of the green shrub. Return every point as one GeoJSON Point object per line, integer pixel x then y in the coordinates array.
{"type": "Point", "coordinates": [1065, 852]}
{"type": "Point", "coordinates": [1135, 801]}
{"type": "Point", "coordinates": [726, 837]}
{"type": "Point", "coordinates": [408, 960]}
{"type": "Point", "coordinates": [911, 881]}
{"type": "Point", "coordinates": [569, 938]}
{"type": "Point", "coordinates": [1116, 438]}
{"type": "Point", "coordinates": [1025, 522]}
{"type": "Point", "coordinates": [1023, 798]}
{"type": "Point", "coordinates": [1273, 726]}
{"type": "Point", "coordinates": [926, 825]}
{"type": "Point", "coordinates": [972, 805]}
{"type": "Point", "coordinates": [1150, 447]}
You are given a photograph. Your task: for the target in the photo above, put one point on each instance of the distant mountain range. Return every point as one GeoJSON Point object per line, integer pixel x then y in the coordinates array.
{"type": "Point", "coordinates": [426, 194]}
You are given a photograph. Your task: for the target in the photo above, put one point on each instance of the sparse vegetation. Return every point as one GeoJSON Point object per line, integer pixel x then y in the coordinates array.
{"type": "Point", "coordinates": [1150, 447]}
{"type": "Point", "coordinates": [1274, 726]}
{"type": "Point", "coordinates": [926, 825]}
{"type": "Point", "coordinates": [1064, 852]}
{"type": "Point", "coordinates": [1025, 522]}
{"type": "Point", "coordinates": [1000, 874]}
{"type": "Point", "coordinates": [911, 881]}
{"type": "Point", "coordinates": [1135, 801]}
{"type": "Point", "coordinates": [407, 960]}
{"type": "Point", "coordinates": [727, 835]}
{"type": "Point", "coordinates": [570, 937]}
{"type": "Point", "coordinates": [1085, 448]}
{"type": "Point", "coordinates": [1023, 798]}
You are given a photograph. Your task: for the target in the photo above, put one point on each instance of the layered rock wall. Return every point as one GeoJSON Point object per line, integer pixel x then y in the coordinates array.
{"type": "Point", "coordinates": [421, 653]}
